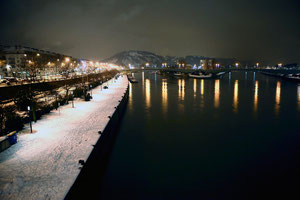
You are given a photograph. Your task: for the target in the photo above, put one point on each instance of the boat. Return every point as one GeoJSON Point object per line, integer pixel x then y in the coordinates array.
{"type": "Point", "coordinates": [201, 75]}
{"type": "Point", "coordinates": [178, 74]}
{"type": "Point", "coordinates": [205, 75]}
{"type": "Point", "coordinates": [292, 77]}
{"type": "Point", "coordinates": [220, 73]}
{"type": "Point", "coordinates": [132, 79]}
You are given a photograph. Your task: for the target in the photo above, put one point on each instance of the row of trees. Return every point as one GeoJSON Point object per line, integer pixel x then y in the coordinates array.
{"type": "Point", "coordinates": [36, 65]}
{"type": "Point", "coordinates": [43, 97]}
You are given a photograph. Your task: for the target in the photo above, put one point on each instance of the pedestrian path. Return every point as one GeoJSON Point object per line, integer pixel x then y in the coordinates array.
{"type": "Point", "coordinates": [44, 164]}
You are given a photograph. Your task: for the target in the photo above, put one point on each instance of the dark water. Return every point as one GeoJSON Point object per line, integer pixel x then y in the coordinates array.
{"type": "Point", "coordinates": [233, 138]}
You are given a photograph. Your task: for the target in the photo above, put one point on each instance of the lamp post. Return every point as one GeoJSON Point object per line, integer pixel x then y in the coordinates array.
{"type": "Point", "coordinates": [91, 90]}
{"type": "Point", "coordinates": [28, 108]}
{"type": "Point", "coordinates": [72, 98]}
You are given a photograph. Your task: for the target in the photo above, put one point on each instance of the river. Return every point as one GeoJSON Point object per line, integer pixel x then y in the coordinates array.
{"type": "Point", "coordinates": [231, 138]}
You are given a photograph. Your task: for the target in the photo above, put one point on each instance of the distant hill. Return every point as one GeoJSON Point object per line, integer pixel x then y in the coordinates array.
{"type": "Point", "coordinates": [140, 58]}
{"type": "Point", "coordinates": [135, 58]}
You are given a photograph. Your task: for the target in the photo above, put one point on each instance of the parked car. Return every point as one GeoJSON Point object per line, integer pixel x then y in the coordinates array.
{"type": "Point", "coordinates": [3, 80]}
{"type": "Point", "coordinates": [11, 79]}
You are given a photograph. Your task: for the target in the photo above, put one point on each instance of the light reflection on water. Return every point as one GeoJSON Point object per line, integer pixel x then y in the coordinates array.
{"type": "Point", "coordinates": [202, 94]}
{"type": "Point", "coordinates": [147, 94]}
{"type": "Point", "coordinates": [195, 87]}
{"type": "Point", "coordinates": [181, 88]}
{"type": "Point", "coordinates": [217, 93]}
{"type": "Point", "coordinates": [167, 128]}
{"type": "Point", "coordinates": [298, 97]}
{"type": "Point", "coordinates": [190, 88]}
{"type": "Point", "coordinates": [277, 97]}
{"type": "Point", "coordinates": [255, 96]}
{"type": "Point", "coordinates": [164, 95]}
{"type": "Point", "coordinates": [236, 96]}
{"type": "Point", "coordinates": [202, 87]}
{"type": "Point", "coordinates": [130, 97]}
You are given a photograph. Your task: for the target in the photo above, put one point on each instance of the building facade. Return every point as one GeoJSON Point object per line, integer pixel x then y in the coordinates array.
{"type": "Point", "coordinates": [16, 60]}
{"type": "Point", "coordinates": [208, 63]}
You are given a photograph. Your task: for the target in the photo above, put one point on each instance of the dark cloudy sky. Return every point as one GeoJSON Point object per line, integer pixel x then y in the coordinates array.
{"type": "Point", "coordinates": [96, 29]}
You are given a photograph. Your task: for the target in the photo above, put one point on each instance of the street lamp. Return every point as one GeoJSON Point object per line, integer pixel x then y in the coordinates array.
{"type": "Point", "coordinates": [91, 90]}
{"type": "Point", "coordinates": [72, 93]}
{"type": "Point", "coordinates": [28, 108]}
{"type": "Point", "coordinates": [67, 59]}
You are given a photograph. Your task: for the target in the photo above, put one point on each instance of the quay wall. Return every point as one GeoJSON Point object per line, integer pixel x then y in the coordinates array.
{"type": "Point", "coordinates": [88, 182]}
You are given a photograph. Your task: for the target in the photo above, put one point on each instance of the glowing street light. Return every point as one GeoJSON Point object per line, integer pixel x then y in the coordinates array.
{"type": "Point", "coordinates": [147, 64]}
{"type": "Point", "coordinates": [37, 54]}
{"type": "Point", "coordinates": [67, 59]}
{"type": "Point", "coordinates": [257, 64]}
{"type": "Point", "coordinates": [25, 55]}
{"type": "Point", "coordinates": [237, 65]}
{"type": "Point", "coordinates": [280, 65]}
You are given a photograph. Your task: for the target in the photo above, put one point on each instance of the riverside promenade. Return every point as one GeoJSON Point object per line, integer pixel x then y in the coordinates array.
{"type": "Point", "coordinates": [44, 164]}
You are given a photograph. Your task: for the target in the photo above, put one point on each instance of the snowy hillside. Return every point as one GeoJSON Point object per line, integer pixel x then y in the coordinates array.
{"type": "Point", "coordinates": [135, 58]}
{"type": "Point", "coordinates": [140, 58]}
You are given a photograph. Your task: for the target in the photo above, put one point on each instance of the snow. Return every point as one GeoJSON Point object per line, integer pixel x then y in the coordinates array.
{"type": "Point", "coordinates": [44, 164]}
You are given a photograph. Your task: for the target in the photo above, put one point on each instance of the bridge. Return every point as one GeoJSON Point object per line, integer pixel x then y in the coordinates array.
{"type": "Point", "coordinates": [186, 71]}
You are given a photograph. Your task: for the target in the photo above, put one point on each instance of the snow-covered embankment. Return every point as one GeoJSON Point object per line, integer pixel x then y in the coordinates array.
{"type": "Point", "coordinates": [44, 165]}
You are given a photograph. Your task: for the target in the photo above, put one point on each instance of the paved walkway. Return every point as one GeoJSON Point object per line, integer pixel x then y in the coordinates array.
{"type": "Point", "coordinates": [44, 164]}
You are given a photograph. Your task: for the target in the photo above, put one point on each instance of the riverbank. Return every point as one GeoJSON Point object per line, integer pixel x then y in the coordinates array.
{"type": "Point", "coordinates": [45, 164]}
{"type": "Point", "coordinates": [42, 98]}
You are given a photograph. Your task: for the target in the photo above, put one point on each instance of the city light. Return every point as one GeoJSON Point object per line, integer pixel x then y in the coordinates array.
{"type": "Point", "coordinates": [67, 59]}
{"type": "Point", "coordinates": [8, 67]}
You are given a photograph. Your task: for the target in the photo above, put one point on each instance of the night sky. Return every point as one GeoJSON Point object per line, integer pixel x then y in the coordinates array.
{"type": "Point", "coordinates": [96, 29]}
